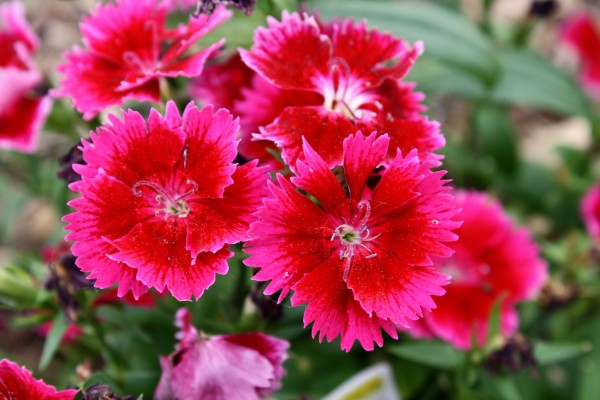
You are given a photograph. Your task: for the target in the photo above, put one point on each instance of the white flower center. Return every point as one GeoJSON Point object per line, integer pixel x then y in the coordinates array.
{"type": "Point", "coordinates": [352, 236]}
{"type": "Point", "coordinates": [170, 206]}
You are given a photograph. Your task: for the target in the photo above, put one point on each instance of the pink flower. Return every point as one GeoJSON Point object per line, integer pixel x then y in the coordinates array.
{"type": "Point", "coordinates": [242, 367]}
{"type": "Point", "coordinates": [493, 262]}
{"type": "Point", "coordinates": [17, 40]}
{"type": "Point", "coordinates": [16, 383]}
{"type": "Point", "coordinates": [161, 201]}
{"type": "Point", "coordinates": [183, 5]}
{"type": "Point", "coordinates": [22, 110]}
{"type": "Point", "coordinates": [590, 211]}
{"type": "Point", "coordinates": [129, 49]}
{"type": "Point", "coordinates": [580, 32]}
{"type": "Point", "coordinates": [361, 257]}
{"type": "Point", "coordinates": [352, 76]}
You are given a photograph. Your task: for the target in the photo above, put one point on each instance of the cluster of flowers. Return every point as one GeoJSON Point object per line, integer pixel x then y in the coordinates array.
{"type": "Point", "coordinates": [364, 232]}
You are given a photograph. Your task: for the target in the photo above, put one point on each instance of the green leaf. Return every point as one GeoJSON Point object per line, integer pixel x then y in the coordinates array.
{"type": "Point", "coordinates": [433, 76]}
{"type": "Point", "coordinates": [447, 35]}
{"type": "Point", "coordinates": [507, 389]}
{"type": "Point", "coordinates": [528, 79]}
{"type": "Point", "coordinates": [434, 354]}
{"type": "Point", "coordinates": [59, 326]}
{"type": "Point", "coordinates": [552, 353]}
{"type": "Point", "coordinates": [496, 137]}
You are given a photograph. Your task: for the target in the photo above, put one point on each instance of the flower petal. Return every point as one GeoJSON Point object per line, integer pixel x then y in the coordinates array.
{"type": "Point", "coordinates": [333, 310]}
{"type": "Point", "coordinates": [116, 147]}
{"type": "Point", "coordinates": [108, 209]}
{"type": "Point", "coordinates": [361, 156]}
{"type": "Point", "coordinates": [214, 222]}
{"type": "Point", "coordinates": [324, 130]}
{"type": "Point", "coordinates": [292, 54]}
{"type": "Point", "coordinates": [465, 311]}
{"type": "Point", "coordinates": [407, 289]}
{"type": "Point", "coordinates": [290, 238]}
{"type": "Point", "coordinates": [315, 177]}
{"type": "Point", "coordinates": [210, 149]}
{"type": "Point", "coordinates": [156, 248]}
{"type": "Point", "coordinates": [368, 52]}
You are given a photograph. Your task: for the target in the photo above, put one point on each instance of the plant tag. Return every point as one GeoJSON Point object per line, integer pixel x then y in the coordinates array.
{"type": "Point", "coordinates": [374, 383]}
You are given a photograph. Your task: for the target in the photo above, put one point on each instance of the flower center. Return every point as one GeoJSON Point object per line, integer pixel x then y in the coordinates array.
{"type": "Point", "coordinates": [343, 93]}
{"type": "Point", "coordinates": [352, 236]}
{"type": "Point", "coordinates": [170, 206]}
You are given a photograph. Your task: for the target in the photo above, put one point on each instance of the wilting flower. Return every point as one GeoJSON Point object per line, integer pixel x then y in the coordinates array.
{"type": "Point", "coordinates": [354, 74]}
{"type": "Point", "coordinates": [494, 263]}
{"type": "Point", "coordinates": [590, 212]}
{"type": "Point", "coordinates": [244, 366]}
{"type": "Point", "coordinates": [103, 392]}
{"type": "Point", "coordinates": [128, 49]}
{"type": "Point", "coordinates": [161, 201]}
{"type": "Point", "coordinates": [361, 257]}
{"type": "Point", "coordinates": [16, 383]}
{"type": "Point", "coordinates": [23, 109]}
{"type": "Point", "coordinates": [580, 32]}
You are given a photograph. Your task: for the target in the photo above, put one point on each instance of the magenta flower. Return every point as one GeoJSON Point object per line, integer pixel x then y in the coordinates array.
{"type": "Point", "coordinates": [128, 49]}
{"type": "Point", "coordinates": [22, 110]}
{"type": "Point", "coordinates": [361, 257]}
{"type": "Point", "coordinates": [354, 74]}
{"type": "Point", "coordinates": [590, 211]}
{"type": "Point", "coordinates": [244, 366]}
{"type": "Point", "coordinates": [493, 262]}
{"type": "Point", "coordinates": [16, 383]}
{"type": "Point", "coordinates": [161, 201]}
{"type": "Point", "coordinates": [17, 40]}
{"type": "Point", "coordinates": [580, 32]}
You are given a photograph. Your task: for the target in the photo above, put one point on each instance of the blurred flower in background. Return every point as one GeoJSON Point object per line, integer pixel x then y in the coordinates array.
{"type": "Point", "coordinates": [23, 105]}
{"type": "Point", "coordinates": [494, 264]}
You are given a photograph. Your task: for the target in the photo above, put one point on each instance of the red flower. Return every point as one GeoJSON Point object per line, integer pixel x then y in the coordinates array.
{"type": "Point", "coordinates": [351, 76]}
{"type": "Point", "coordinates": [161, 201]}
{"type": "Point", "coordinates": [16, 383]}
{"type": "Point", "coordinates": [590, 211]}
{"type": "Point", "coordinates": [243, 366]}
{"type": "Point", "coordinates": [581, 33]}
{"type": "Point", "coordinates": [128, 49]}
{"type": "Point", "coordinates": [493, 262]}
{"type": "Point", "coordinates": [22, 110]}
{"type": "Point", "coordinates": [360, 261]}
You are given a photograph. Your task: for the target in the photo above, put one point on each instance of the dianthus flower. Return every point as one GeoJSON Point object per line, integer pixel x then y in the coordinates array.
{"type": "Point", "coordinates": [161, 201]}
{"type": "Point", "coordinates": [590, 211]}
{"type": "Point", "coordinates": [580, 32]}
{"type": "Point", "coordinates": [22, 109]}
{"type": "Point", "coordinates": [354, 73]}
{"type": "Point", "coordinates": [360, 257]}
{"type": "Point", "coordinates": [16, 383]}
{"type": "Point", "coordinates": [493, 263]}
{"type": "Point", "coordinates": [243, 367]}
{"type": "Point", "coordinates": [128, 49]}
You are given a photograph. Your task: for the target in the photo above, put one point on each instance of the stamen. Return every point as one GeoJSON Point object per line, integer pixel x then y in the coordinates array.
{"type": "Point", "coordinates": [364, 208]}
{"type": "Point", "coordinates": [161, 192]}
{"type": "Point", "coordinates": [134, 60]}
{"type": "Point", "coordinates": [192, 190]}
